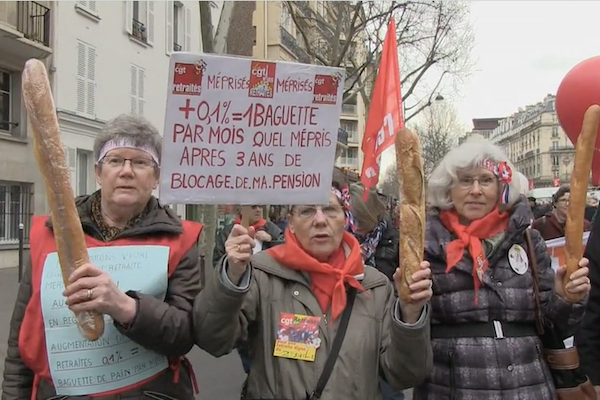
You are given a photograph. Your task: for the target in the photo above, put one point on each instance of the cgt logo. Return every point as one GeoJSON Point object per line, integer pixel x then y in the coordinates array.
{"type": "Point", "coordinates": [187, 79]}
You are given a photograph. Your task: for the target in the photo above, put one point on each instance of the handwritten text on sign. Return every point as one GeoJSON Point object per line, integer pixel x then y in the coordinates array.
{"type": "Point", "coordinates": [80, 367]}
{"type": "Point", "coordinates": [240, 131]}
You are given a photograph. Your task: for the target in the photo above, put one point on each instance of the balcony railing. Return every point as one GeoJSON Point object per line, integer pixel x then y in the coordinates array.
{"type": "Point", "coordinates": [348, 162]}
{"type": "Point", "coordinates": [352, 136]}
{"type": "Point", "coordinates": [138, 30]}
{"type": "Point", "coordinates": [292, 45]}
{"type": "Point", "coordinates": [33, 21]}
{"type": "Point", "coordinates": [176, 47]}
{"type": "Point", "coordinates": [349, 109]}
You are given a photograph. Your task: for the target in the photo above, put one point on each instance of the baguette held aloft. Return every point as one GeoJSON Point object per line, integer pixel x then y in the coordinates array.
{"type": "Point", "coordinates": [50, 157]}
{"type": "Point", "coordinates": [409, 162]}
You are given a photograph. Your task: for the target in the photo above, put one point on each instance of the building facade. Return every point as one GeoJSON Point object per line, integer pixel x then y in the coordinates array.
{"type": "Point", "coordinates": [535, 142]}
{"type": "Point", "coordinates": [482, 128]}
{"type": "Point", "coordinates": [103, 59]}
{"type": "Point", "coordinates": [278, 38]}
{"type": "Point", "coordinates": [25, 32]}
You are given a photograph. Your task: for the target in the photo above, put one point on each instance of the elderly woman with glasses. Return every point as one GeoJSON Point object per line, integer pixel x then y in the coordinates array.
{"type": "Point", "coordinates": [143, 276]}
{"type": "Point", "coordinates": [484, 337]}
{"type": "Point", "coordinates": [320, 323]}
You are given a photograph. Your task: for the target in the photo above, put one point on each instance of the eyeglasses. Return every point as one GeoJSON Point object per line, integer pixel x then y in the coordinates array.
{"type": "Point", "coordinates": [136, 163]}
{"type": "Point", "coordinates": [467, 182]}
{"type": "Point", "coordinates": [309, 212]}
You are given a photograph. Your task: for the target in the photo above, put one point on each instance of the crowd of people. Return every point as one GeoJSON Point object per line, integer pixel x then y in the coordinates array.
{"type": "Point", "coordinates": [310, 299]}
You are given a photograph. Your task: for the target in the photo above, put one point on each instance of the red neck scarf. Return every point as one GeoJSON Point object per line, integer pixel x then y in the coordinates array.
{"type": "Point", "coordinates": [470, 237]}
{"type": "Point", "coordinates": [326, 279]}
{"type": "Point", "coordinates": [259, 224]}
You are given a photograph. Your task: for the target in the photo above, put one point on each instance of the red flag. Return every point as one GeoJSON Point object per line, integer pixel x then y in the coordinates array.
{"type": "Point", "coordinates": [385, 114]}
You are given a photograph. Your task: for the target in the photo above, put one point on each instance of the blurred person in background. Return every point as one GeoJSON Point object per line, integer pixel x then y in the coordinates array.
{"type": "Point", "coordinates": [552, 225]}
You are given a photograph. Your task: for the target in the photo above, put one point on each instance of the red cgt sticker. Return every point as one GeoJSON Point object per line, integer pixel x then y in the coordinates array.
{"type": "Point", "coordinates": [326, 88]}
{"type": "Point", "coordinates": [187, 79]}
{"type": "Point", "coordinates": [262, 79]}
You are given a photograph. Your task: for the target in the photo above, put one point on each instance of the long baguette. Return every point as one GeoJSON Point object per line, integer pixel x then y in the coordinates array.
{"type": "Point", "coordinates": [584, 154]}
{"type": "Point", "coordinates": [50, 157]}
{"type": "Point", "coordinates": [412, 206]}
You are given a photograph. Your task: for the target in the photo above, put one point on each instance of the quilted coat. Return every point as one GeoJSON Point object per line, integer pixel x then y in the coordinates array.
{"type": "Point", "coordinates": [489, 368]}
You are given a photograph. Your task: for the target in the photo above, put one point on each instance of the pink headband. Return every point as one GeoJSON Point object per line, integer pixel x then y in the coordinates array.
{"type": "Point", "coordinates": [126, 144]}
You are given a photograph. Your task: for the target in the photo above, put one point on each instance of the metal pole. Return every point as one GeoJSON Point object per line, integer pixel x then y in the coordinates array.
{"type": "Point", "coordinates": [21, 227]}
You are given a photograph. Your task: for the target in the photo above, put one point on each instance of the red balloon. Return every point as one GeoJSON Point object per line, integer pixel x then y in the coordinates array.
{"type": "Point", "coordinates": [579, 90]}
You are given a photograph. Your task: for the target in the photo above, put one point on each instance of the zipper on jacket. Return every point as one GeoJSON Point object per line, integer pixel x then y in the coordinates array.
{"type": "Point", "coordinates": [325, 319]}
{"type": "Point", "coordinates": [452, 376]}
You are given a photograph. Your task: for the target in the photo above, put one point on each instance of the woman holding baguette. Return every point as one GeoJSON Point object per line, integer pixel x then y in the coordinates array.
{"type": "Point", "coordinates": [483, 331]}
{"type": "Point", "coordinates": [320, 323]}
{"type": "Point", "coordinates": [143, 277]}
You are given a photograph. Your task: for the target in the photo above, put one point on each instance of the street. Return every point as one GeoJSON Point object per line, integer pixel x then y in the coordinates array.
{"type": "Point", "coordinates": [218, 378]}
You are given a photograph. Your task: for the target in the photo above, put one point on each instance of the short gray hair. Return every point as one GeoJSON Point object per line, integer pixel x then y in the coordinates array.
{"type": "Point", "coordinates": [464, 157]}
{"type": "Point", "coordinates": [132, 128]}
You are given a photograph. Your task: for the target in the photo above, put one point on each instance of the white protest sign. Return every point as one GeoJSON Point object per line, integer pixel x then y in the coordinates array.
{"type": "Point", "coordinates": [241, 131]}
{"type": "Point", "coordinates": [556, 249]}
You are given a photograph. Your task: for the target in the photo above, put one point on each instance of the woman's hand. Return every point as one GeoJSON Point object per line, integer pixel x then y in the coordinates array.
{"type": "Point", "coordinates": [579, 284]}
{"type": "Point", "coordinates": [421, 292]}
{"type": "Point", "coordinates": [92, 289]}
{"type": "Point", "coordinates": [238, 249]}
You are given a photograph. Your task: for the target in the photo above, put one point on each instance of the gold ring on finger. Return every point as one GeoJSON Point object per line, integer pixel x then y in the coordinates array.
{"type": "Point", "coordinates": [90, 293]}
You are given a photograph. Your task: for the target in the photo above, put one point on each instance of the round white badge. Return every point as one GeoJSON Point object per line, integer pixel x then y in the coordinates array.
{"type": "Point", "coordinates": [517, 258]}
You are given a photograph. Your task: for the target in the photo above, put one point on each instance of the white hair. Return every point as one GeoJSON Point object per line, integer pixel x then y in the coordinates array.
{"type": "Point", "coordinates": [465, 157]}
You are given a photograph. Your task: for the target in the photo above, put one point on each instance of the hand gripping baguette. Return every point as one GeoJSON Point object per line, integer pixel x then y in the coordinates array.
{"type": "Point", "coordinates": [584, 154]}
{"type": "Point", "coordinates": [412, 207]}
{"type": "Point", "coordinates": [50, 157]}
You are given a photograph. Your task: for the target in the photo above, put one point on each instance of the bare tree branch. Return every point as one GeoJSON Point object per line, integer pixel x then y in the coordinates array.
{"type": "Point", "coordinates": [438, 128]}
{"type": "Point", "coordinates": [435, 40]}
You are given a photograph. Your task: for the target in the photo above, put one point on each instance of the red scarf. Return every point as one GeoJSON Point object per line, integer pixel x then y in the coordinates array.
{"type": "Point", "coordinates": [259, 224]}
{"type": "Point", "coordinates": [470, 237]}
{"type": "Point", "coordinates": [326, 279]}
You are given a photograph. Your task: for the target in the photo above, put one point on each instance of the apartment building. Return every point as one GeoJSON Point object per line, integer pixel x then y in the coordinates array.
{"type": "Point", "coordinates": [103, 59]}
{"type": "Point", "coordinates": [25, 28]}
{"type": "Point", "coordinates": [277, 38]}
{"type": "Point", "coordinates": [535, 142]}
{"type": "Point", "coordinates": [482, 128]}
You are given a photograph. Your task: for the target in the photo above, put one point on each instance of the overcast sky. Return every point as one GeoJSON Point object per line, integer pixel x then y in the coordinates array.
{"type": "Point", "coordinates": [523, 49]}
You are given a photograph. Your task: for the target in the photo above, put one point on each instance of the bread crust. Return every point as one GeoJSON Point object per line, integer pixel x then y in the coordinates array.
{"type": "Point", "coordinates": [412, 207]}
{"type": "Point", "coordinates": [584, 154]}
{"type": "Point", "coordinates": [50, 157]}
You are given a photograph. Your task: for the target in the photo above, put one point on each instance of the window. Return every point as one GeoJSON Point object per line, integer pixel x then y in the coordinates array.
{"type": "Point", "coordinates": [178, 27]}
{"type": "Point", "coordinates": [555, 161]}
{"type": "Point", "coordinates": [89, 6]}
{"type": "Point", "coordinates": [555, 131]}
{"type": "Point", "coordinates": [83, 172]}
{"type": "Point", "coordinates": [16, 200]}
{"type": "Point", "coordinates": [86, 80]}
{"type": "Point", "coordinates": [351, 127]}
{"type": "Point", "coordinates": [138, 80]}
{"type": "Point", "coordinates": [5, 101]}
{"type": "Point", "coordinates": [554, 145]}
{"type": "Point", "coordinates": [139, 20]}
{"type": "Point", "coordinates": [286, 20]}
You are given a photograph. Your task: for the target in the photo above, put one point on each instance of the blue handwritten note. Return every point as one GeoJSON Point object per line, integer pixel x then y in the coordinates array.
{"type": "Point", "coordinates": [81, 367]}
